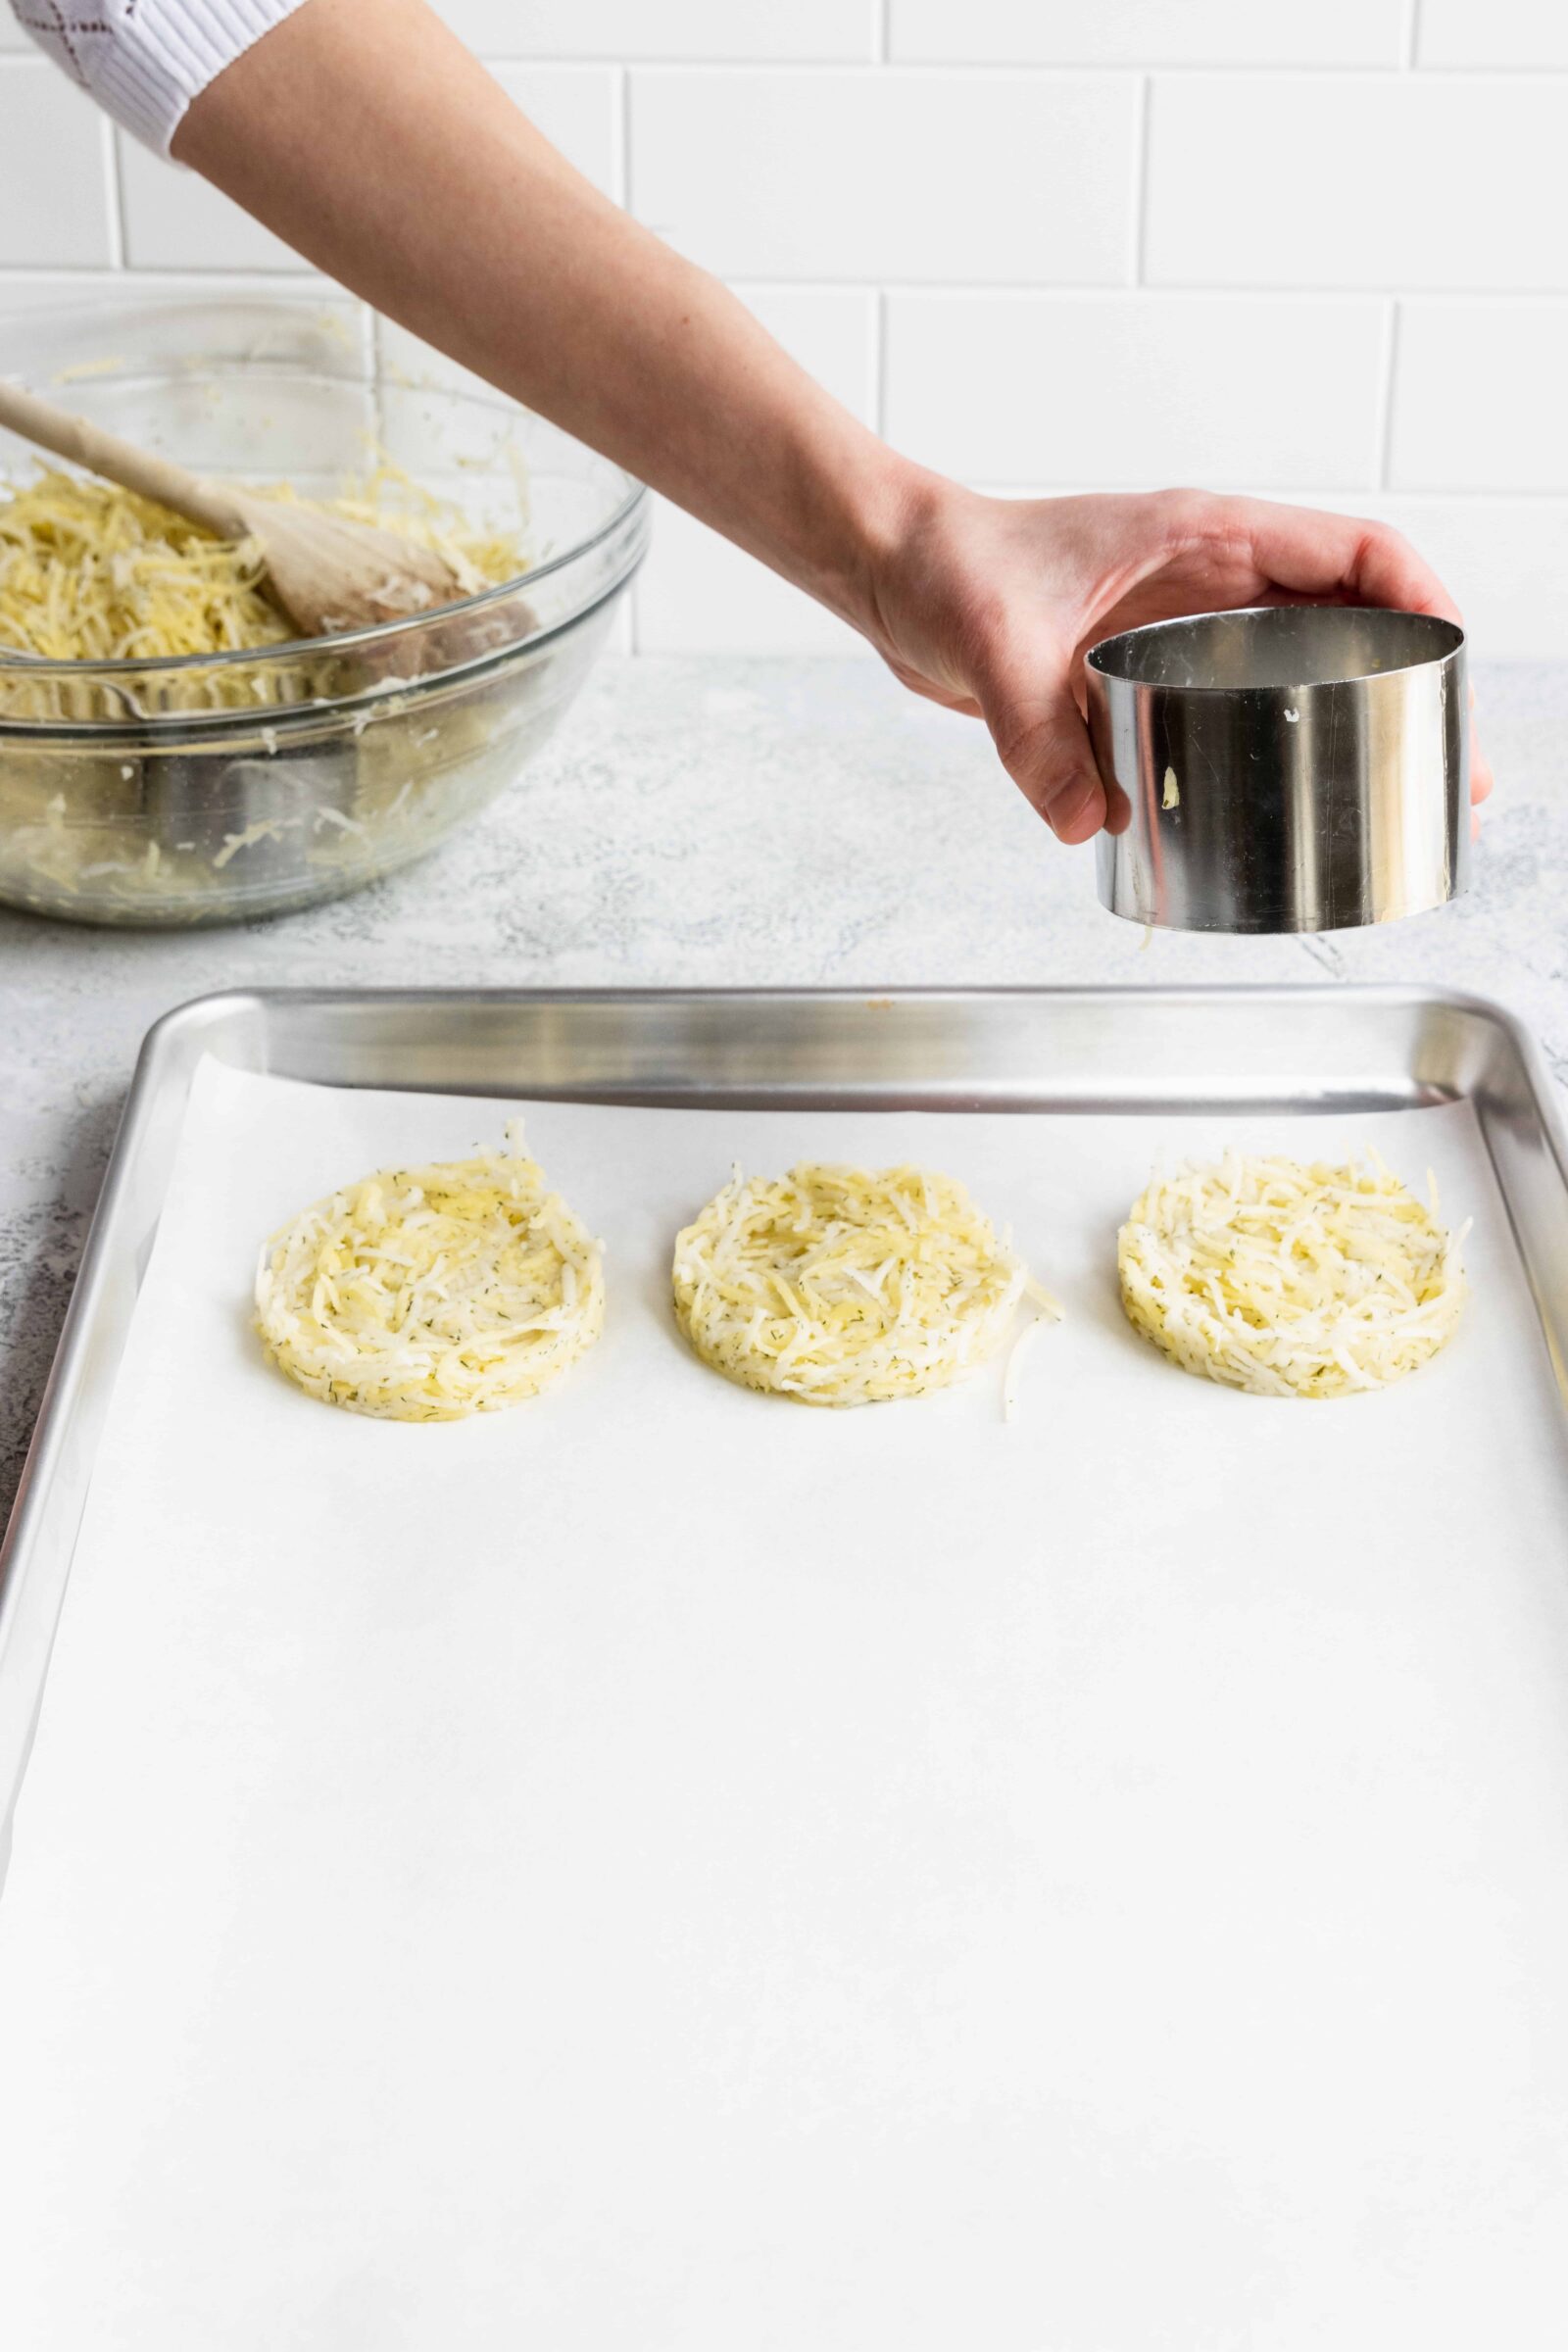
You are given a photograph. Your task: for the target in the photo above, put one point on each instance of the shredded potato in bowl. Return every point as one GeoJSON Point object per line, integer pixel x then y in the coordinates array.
{"type": "Point", "coordinates": [172, 751]}
{"type": "Point", "coordinates": [175, 826]}
{"type": "Point", "coordinates": [91, 573]}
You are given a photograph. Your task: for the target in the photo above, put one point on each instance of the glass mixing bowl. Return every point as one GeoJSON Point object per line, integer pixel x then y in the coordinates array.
{"type": "Point", "coordinates": [217, 787]}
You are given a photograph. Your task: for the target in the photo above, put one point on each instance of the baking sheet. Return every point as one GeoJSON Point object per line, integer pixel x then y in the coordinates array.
{"type": "Point", "coordinates": [665, 1868]}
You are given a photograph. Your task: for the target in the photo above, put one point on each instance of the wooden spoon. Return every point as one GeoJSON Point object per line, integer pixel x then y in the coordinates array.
{"type": "Point", "coordinates": [323, 574]}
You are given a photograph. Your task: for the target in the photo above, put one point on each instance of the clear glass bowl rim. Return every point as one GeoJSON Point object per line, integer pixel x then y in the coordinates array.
{"type": "Point", "coordinates": [34, 665]}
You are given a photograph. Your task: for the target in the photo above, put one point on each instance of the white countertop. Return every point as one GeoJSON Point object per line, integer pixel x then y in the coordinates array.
{"type": "Point", "coordinates": [714, 823]}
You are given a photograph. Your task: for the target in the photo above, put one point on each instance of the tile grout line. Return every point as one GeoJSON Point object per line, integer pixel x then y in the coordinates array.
{"type": "Point", "coordinates": [1412, 34]}
{"type": "Point", "coordinates": [114, 195]}
{"type": "Point", "coordinates": [1145, 108]}
{"type": "Point", "coordinates": [85, 277]}
{"type": "Point", "coordinates": [621, 135]}
{"type": "Point", "coordinates": [1038, 68]}
{"type": "Point", "coordinates": [297, 274]}
{"type": "Point", "coordinates": [958, 69]}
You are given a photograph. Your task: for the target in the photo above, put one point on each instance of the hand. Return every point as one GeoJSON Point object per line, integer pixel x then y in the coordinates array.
{"type": "Point", "coordinates": [989, 605]}
{"type": "Point", "coordinates": [377, 161]}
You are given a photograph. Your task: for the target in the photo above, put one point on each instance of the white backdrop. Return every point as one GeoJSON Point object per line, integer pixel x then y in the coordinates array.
{"type": "Point", "coordinates": [1313, 250]}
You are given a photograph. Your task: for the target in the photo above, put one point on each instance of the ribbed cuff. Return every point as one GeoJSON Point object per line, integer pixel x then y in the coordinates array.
{"type": "Point", "coordinates": [145, 62]}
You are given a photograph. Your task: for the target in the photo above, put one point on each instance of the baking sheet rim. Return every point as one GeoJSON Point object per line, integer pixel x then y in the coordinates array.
{"type": "Point", "coordinates": [37, 1546]}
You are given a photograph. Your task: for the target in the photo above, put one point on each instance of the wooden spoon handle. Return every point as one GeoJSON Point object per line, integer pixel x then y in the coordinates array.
{"type": "Point", "coordinates": [138, 470]}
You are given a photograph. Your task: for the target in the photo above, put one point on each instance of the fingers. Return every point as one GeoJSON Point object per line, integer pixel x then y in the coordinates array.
{"type": "Point", "coordinates": [1340, 556]}
{"type": "Point", "coordinates": [1386, 570]}
{"type": "Point", "coordinates": [1045, 748]}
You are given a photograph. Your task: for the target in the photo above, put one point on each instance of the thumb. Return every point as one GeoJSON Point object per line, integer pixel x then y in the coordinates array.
{"type": "Point", "coordinates": [1043, 745]}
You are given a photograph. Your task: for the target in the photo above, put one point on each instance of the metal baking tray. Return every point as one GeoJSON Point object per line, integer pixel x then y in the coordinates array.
{"type": "Point", "coordinates": [1313, 1049]}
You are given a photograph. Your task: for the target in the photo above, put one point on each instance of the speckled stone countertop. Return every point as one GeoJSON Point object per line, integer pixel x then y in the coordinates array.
{"type": "Point", "coordinates": [714, 823]}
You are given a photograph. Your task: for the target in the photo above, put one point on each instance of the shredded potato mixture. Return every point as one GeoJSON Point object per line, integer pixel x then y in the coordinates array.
{"type": "Point", "coordinates": [838, 1286]}
{"type": "Point", "coordinates": [90, 572]}
{"type": "Point", "coordinates": [429, 1294]}
{"type": "Point", "coordinates": [1291, 1280]}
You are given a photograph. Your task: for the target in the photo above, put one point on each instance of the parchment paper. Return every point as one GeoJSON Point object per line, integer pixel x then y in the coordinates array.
{"type": "Point", "coordinates": [666, 1868]}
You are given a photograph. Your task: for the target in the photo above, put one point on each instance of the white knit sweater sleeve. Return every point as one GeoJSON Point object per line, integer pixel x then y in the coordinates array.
{"type": "Point", "coordinates": [146, 60]}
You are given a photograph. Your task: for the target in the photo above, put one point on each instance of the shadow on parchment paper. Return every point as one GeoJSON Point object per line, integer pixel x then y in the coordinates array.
{"type": "Point", "coordinates": [40, 1251]}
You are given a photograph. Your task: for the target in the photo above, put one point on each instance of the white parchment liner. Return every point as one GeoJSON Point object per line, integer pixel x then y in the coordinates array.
{"type": "Point", "coordinates": [665, 1868]}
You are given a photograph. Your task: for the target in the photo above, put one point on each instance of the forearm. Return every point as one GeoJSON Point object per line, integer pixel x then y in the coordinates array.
{"type": "Point", "coordinates": [372, 143]}
{"type": "Point", "coordinates": [368, 137]}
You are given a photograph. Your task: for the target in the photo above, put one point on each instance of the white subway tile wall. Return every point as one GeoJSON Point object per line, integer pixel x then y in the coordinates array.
{"type": "Point", "coordinates": [101, 290]}
{"type": "Point", "coordinates": [888, 175]}
{"type": "Point", "coordinates": [54, 172]}
{"type": "Point", "coordinates": [1041, 244]}
{"type": "Point", "coordinates": [1369, 179]}
{"type": "Point", "coordinates": [622, 30]}
{"type": "Point", "coordinates": [1492, 33]}
{"type": "Point", "coordinates": [1139, 389]}
{"type": "Point", "coordinates": [1148, 32]}
{"type": "Point", "coordinates": [1477, 396]}
{"type": "Point", "coordinates": [173, 220]}
{"type": "Point", "coordinates": [578, 109]}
